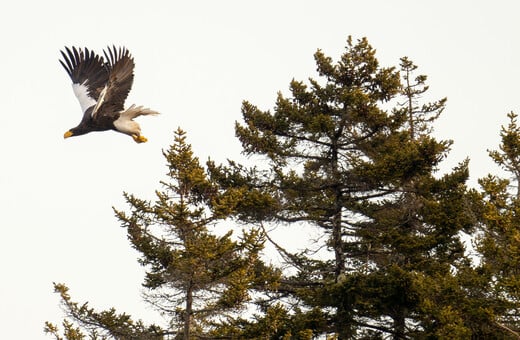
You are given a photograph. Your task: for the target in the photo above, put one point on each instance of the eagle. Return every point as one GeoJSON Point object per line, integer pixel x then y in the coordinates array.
{"type": "Point", "coordinates": [101, 86]}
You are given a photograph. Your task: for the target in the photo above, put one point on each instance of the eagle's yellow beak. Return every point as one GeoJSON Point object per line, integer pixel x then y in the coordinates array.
{"type": "Point", "coordinates": [67, 134]}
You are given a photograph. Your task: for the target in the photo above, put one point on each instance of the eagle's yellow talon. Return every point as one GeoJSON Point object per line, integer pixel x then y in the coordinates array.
{"type": "Point", "coordinates": [139, 139]}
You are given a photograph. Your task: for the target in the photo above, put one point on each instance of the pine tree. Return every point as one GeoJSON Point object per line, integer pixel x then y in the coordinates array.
{"type": "Point", "coordinates": [420, 118]}
{"type": "Point", "coordinates": [195, 277]}
{"type": "Point", "coordinates": [499, 244]}
{"type": "Point", "coordinates": [417, 229]}
{"type": "Point", "coordinates": [338, 159]}
{"type": "Point", "coordinates": [84, 322]}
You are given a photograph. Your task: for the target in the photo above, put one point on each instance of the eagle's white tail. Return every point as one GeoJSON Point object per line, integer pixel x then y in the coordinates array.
{"type": "Point", "coordinates": [136, 111]}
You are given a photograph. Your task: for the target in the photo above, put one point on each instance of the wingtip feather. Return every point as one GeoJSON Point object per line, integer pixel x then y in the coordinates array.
{"type": "Point", "coordinates": [69, 68]}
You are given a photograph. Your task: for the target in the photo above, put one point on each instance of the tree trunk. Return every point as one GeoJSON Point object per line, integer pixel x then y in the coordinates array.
{"type": "Point", "coordinates": [399, 324]}
{"type": "Point", "coordinates": [188, 312]}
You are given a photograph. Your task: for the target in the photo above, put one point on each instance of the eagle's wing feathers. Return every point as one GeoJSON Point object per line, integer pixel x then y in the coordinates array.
{"type": "Point", "coordinates": [121, 76]}
{"type": "Point", "coordinates": [88, 73]}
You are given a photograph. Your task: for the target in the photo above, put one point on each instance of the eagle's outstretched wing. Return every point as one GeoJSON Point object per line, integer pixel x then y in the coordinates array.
{"type": "Point", "coordinates": [120, 65]}
{"type": "Point", "coordinates": [88, 72]}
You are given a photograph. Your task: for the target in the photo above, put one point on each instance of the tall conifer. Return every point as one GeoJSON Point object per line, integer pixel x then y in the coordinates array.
{"type": "Point", "coordinates": [499, 243]}
{"type": "Point", "coordinates": [196, 278]}
{"type": "Point", "coordinates": [342, 159]}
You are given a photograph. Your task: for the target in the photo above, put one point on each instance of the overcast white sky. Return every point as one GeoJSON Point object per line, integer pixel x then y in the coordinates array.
{"type": "Point", "coordinates": [195, 63]}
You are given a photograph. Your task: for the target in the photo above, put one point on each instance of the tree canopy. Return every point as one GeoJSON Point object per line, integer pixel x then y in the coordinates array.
{"type": "Point", "coordinates": [352, 155]}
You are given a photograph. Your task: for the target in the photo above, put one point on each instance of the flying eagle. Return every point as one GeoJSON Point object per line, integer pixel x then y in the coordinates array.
{"type": "Point", "coordinates": [101, 88]}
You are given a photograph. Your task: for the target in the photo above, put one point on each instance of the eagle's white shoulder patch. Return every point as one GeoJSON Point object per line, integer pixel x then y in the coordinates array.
{"type": "Point", "coordinates": [81, 92]}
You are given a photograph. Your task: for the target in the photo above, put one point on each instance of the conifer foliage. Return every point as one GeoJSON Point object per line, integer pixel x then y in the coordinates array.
{"type": "Point", "coordinates": [499, 243]}
{"type": "Point", "coordinates": [350, 154]}
{"type": "Point", "coordinates": [194, 277]}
